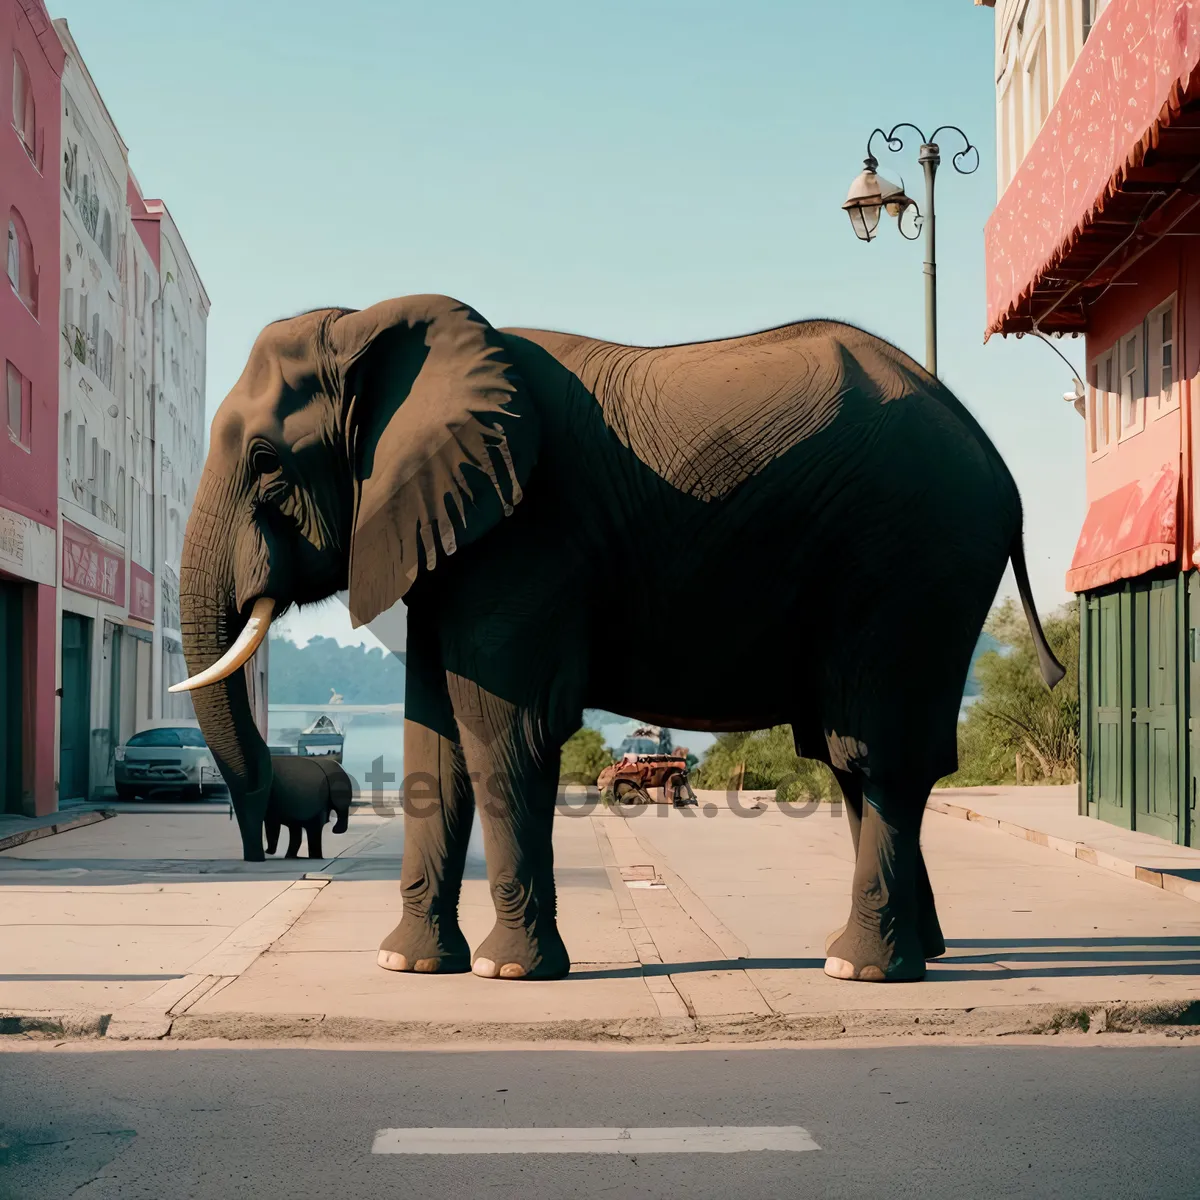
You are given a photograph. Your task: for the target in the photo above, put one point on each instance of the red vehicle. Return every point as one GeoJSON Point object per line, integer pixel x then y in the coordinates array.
{"type": "Point", "coordinates": [642, 777]}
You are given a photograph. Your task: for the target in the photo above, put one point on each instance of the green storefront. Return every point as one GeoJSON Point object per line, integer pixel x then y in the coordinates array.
{"type": "Point", "coordinates": [1139, 644]}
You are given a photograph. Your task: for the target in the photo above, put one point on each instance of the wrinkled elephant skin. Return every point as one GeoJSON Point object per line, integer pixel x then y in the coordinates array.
{"type": "Point", "coordinates": [837, 525]}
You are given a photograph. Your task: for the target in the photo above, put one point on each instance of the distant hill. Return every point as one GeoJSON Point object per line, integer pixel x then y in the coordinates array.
{"type": "Point", "coordinates": [307, 674]}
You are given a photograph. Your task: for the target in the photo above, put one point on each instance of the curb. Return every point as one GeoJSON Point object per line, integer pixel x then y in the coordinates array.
{"type": "Point", "coordinates": [1180, 1018]}
{"type": "Point", "coordinates": [75, 821]}
{"type": "Point", "coordinates": [1157, 877]}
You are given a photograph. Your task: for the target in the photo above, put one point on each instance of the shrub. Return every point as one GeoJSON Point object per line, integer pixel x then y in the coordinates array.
{"type": "Point", "coordinates": [770, 761]}
{"type": "Point", "coordinates": [1016, 714]}
{"type": "Point", "coordinates": [584, 756]}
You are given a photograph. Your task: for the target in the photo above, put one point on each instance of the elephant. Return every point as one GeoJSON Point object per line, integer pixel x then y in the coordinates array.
{"type": "Point", "coordinates": [304, 791]}
{"type": "Point", "coordinates": [838, 524]}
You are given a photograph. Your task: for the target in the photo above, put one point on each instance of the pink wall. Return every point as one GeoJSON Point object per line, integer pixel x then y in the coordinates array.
{"type": "Point", "coordinates": [29, 478]}
{"type": "Point", "coordinates": [1146, 285]}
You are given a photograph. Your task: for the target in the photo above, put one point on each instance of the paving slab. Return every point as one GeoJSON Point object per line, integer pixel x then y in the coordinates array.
{"type": "Point", "coordinates": [103, 922]}
{"type": "Point", "coordinates": [18, 831]}
{"type": "Point", "coordinates": [1050, 816]}
{"type": "Point", "coordinates": [1023, 923]}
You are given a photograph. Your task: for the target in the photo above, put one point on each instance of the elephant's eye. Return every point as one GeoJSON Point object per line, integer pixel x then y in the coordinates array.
{"type": "Point", "coordinates": [263, 459]}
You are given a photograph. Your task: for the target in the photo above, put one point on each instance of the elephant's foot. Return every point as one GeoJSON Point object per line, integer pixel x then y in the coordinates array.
{"type": "Point", "coordinates": [863, 954]}
{"type": "Point", "coordinates": [929, 930]}
{"type": "Point", "coordinates": [520, 953]}
{"type": "Point", "coordinates": [419, 944]}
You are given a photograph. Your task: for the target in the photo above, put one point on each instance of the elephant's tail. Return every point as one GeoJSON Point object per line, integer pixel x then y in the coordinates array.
{"type": "Point", "coordinates": [1052, 670]}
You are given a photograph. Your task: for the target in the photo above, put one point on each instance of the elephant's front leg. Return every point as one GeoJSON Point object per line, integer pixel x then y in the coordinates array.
{"type": "Point", "coordinates": [514, 768]}
{"type": "Point", "coordinates": [438, 809]}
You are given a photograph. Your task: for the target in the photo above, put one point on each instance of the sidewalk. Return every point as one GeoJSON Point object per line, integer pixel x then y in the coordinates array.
{"type": "Point", "coordinates": [1049, 816]}
{"type": "Point", "coordinates": [683, 925]}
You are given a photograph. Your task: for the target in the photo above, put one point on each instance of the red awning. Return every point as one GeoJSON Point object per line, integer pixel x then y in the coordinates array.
{"type": "Point", "coordinates": [1117, 141]}
{"type": "Point", "coordinates": [1127, 533]}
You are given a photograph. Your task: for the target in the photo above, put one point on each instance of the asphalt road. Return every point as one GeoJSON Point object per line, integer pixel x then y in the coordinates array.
{"type": "Point", "coordinates": [924, 1121]}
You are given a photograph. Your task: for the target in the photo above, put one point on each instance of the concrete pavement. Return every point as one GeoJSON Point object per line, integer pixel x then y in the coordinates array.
{"type": "Point", "coordinates": [683, 925]}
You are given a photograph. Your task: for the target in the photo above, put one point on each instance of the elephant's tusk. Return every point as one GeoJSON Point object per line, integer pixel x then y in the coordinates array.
{"type": "Point", "coordinates": [242, 650]}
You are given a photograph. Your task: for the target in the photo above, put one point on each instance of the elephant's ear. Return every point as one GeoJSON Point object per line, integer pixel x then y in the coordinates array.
{"type": "Point", "coordinates": [443, 435]}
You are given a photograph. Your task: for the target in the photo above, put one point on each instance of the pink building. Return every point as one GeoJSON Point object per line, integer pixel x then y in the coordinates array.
{"type": "Point", "coordinates": [31, 63]}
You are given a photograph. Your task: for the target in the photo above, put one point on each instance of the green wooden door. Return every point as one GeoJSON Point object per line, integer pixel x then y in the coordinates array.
{"type": "Point", "coordinates": [75, 711]}
{"type": "Point", "coordinates": [1192, 835]}
{"type": "Point", "coordinates": [1106, 748]}
{"type": "Point", "coordinates": [1154, 713]}
{"type": "Point", "coordinates": [11, 734]}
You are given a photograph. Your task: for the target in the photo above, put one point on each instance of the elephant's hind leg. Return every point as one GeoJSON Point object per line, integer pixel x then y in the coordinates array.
{"type": "Point", "coordinates": [313, 830]}
{"type": "Point", "coordinates": [294, 830]}
{"type": "Point", "coordinates": [933, 944]}
{"type": "Point", "coordinates": [438, 811]}
{"type": "Point", "coordinates": [881, 942]}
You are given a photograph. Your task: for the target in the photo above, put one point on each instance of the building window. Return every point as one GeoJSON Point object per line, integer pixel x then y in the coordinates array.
{"type": "Point", "coordinates": [106, 236]}
{"type": "Point", "coordinates": [21, 272]}
{"type": "Point", "coordinates": [1037, 90]}
{"type": "Point", "coordinates": [106, 360]}
{"type": "Point", "coordinates": [20, 405]}
{"type": "Point", "coordinates": [80, 440]}
{"type": "Point", "coordinates": [1160, 328]}
{"type": "Point", "coordinates": [1102, 396]}
{"type": "Point", "coordinates": [24, 110]}
{"type": "Point", "coordinates": [1132, 383]}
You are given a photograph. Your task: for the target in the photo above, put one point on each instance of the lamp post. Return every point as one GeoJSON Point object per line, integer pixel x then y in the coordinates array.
{"type": "Point", "coordinates": [870, 193]}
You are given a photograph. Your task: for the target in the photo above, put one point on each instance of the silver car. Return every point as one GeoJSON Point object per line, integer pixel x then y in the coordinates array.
{"type": "Point", "coordinates": [168, 758]}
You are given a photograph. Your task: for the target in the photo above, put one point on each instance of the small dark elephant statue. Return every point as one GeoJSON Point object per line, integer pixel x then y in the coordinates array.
{"type": "Point", "coordinates": [304, 791]}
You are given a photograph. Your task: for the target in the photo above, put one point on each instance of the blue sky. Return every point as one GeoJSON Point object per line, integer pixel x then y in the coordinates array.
{"type": "Point", "coordinates": [646, 172]}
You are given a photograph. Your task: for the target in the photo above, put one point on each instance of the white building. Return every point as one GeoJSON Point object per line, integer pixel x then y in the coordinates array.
{"type": "Point", "coordinates": [175, 308]}
{"type": "Point", "coordinates": [133, 317]}
{"type": "Point", "coordinates": [1037, 43]}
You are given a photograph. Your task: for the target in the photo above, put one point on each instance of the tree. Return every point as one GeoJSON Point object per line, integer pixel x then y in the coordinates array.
{"type": "Point", "coordinates": [308, 674]}
{"type": "Point", "coordinates": [761, 760]}
{"type": "Point", "coordinates": [584, 756]}
{"type": "Point", "coordinates": [1016, 713]}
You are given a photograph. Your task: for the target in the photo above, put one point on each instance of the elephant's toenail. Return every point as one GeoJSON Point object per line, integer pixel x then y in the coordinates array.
{"type": "Point", "coordinates": [839, 968]}
{"type": "Point", "coordinates": [872, 974]}
{"type": "Point", "coordinates": [485, 968]}
{"type": "Point", "coordinates": [390, 960]}
{"type": "Point", "coordinates": [512, 971]}
{"type": "Point", "coordinates": [426, 966]}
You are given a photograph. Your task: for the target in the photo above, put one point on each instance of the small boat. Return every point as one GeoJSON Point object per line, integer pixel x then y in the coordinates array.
{"type": "Point", "coordinates": [321, 739]}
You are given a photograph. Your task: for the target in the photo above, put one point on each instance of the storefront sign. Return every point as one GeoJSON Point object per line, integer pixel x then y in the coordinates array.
{"type": "Point", "coordinates": [92, 566]}
{"type": "Point", "coordinates": [141, 593]}
{"type": "Point", "coordinates": [26, 548]}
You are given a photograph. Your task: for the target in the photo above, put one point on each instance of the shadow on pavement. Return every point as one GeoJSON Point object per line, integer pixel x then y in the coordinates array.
{"type": "Point", "coordinates": [1055, 958]}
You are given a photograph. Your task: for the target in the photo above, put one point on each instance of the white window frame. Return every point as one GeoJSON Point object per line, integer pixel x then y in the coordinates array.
{"type": "Point", "coordinates": [1102, 379]}
{"type": "Point", "coordinates": [1155, 342]}
{"type": "Point", "coordinates": [1131, 368]}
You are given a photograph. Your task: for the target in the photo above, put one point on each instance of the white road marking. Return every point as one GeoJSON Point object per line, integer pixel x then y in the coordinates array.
{"type": "Point", "coordinates": [700, 1139]}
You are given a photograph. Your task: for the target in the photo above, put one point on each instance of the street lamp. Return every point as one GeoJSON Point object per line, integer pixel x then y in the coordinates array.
{"type": "Point", "coordinates": [870, 194]}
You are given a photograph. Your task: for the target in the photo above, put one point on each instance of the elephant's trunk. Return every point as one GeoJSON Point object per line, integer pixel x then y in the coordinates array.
{"type": "Point", "coordinates": [209, 624]}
